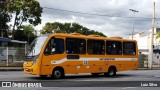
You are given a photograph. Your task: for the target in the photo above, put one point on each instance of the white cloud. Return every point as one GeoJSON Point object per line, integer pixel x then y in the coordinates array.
{"type": "Point", "coordinates": [110, 26]}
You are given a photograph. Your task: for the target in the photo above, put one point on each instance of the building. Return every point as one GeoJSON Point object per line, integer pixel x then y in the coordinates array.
{"type": "Point", "coordinates": [144, 40]}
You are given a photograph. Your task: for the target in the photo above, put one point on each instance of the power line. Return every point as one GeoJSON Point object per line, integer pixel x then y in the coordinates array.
{"type": "Point", "coordinates": [95, 14]}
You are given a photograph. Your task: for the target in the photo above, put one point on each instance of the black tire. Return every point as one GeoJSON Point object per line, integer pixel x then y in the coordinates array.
{"type": "Point", "coordinates": [95, 74]}
{"type": "Point", "coordinates": [58, 73]}
{"type": "Point", "coordinates": [43, 76]}
{"type": "Point", "coordinates": [111, 72]}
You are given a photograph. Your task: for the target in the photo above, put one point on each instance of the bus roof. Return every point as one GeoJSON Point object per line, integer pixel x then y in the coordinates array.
{"type": "Point", "coordinates": [77, 35]}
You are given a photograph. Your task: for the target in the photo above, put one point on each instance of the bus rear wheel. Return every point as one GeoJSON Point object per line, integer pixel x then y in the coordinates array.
{"type": "Point", "coordinates": [58, 73]}
{"type": "Point", "coordinates": [111, 72]}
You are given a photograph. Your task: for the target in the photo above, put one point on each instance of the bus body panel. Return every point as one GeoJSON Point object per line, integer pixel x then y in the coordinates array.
{"type": "Point", "coordinates": [81, 66]}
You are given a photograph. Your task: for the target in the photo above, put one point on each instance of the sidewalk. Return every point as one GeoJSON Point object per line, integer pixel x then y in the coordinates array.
{"type": "Point", "coordinates": [153, 68]}
{"type": "Point", "coordinates": [11, 68]}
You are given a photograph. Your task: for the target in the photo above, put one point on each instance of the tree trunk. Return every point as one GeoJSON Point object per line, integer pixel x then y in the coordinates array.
{"type": "Point", "coordinates": [15, 20]}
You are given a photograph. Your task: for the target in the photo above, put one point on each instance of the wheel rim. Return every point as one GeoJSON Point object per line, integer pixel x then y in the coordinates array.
{"type": "Point", "coordinates": [57, 74]}
{"type": "Point", "coordinates": [111, 72]}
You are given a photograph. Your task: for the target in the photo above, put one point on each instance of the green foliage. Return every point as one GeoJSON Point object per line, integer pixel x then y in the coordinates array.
{"type": "Point", "coordinates": [26, 34]}
{"type": "Point", "coordinates": [28, 11]}
{"type": "Point", "coordinates": [158, 35]}
{"type": "Point", "coordinates": [28, 31]}
{"type": "Point", "coordinates": [5, 17]}
{"type": "Point", "coordinates": [57, 27]}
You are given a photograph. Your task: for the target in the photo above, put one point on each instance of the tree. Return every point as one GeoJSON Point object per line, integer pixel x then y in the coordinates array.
{"type": "Point", "coordinates": [28, 11]}
{"type": "Point", "coordinates": [57, 27]}
{"type": "Point", "coordinates": [5, 17]}
{"type": "Point", "coordinates": [3, 24]}
{"type": "Point", "coordinates": [50, 28]}
{"type": "Point", "coordinates": [27, 34]}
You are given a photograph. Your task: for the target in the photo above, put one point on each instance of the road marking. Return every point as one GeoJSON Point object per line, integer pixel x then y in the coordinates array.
{"type": "Point", "coordinates": [128, 87]}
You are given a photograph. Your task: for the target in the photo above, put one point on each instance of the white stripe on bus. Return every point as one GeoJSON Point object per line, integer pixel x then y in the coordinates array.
{"type": "Point", "coordinates": [90, 59]}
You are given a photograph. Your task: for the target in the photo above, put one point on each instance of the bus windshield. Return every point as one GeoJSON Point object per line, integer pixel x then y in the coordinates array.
{"type": "Point", "coordinates": [36, 46]}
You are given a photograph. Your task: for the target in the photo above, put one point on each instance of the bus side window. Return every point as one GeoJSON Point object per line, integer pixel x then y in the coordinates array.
{"type": "Point", "coordinates": [129, 48]}
{"type": "Point", "coordinates": [49, 48]}
{"type": "Point", "coordinates": [55, 46]}
{"type": "Point", "coordinates": [96, 47]}
{"type": "Point", "coordinates": [59, 46]}
{"type": "Point", "coordinates": [89, 46]}
{"type": "Point", "coordinates": [82, 46]}
{"type": "Point", "coordinates": [113, 47]}
{"type": "Point", "coordinates": [75, 46]}
{"type": "Point", "coordinates": [52, 45]}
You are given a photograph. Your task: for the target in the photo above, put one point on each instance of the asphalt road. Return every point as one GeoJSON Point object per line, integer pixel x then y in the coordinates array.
{"type": "Point", "coordinates": [128, 80]}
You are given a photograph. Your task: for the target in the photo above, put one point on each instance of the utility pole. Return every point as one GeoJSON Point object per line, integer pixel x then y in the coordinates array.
{"type": "Point", "coordinates": [134, 11]}
{"type": "Point", "coordinates": [152, 37]}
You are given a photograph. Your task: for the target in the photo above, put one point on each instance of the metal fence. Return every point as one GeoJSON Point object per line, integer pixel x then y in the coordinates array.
{"type": "Point", "coordinates": [144, 63]}
{"type": "Point", "coordinates": [12, 56]}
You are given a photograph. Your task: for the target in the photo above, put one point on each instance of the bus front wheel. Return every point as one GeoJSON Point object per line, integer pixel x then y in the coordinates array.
{"type": "Point", "coordinates": [58, 73]}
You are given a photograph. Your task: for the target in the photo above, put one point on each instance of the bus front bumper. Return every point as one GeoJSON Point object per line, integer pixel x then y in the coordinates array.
{"type": "Point", "coordinates": [30, 70]}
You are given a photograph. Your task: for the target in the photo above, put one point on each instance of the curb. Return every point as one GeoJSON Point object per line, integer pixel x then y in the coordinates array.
{"type": "Point", "coordinates": [11, 68]}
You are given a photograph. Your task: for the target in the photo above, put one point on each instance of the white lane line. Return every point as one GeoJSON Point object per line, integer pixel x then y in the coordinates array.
{"type": "Point", "coordinates": [129, 87]}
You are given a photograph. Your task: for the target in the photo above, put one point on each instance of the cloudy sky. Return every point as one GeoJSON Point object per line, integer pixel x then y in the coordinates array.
{"type": "Point", "coordinates": [111, 17]}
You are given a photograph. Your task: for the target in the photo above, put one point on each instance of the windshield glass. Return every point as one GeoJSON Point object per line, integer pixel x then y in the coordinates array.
{"type": "Point", "coordinates": [36, 46]}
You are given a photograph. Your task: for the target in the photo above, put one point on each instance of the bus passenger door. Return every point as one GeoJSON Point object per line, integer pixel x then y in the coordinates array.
{"type": "Point", "coordinates": [53, 54]}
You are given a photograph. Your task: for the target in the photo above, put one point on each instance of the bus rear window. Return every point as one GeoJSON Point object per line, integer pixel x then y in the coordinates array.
{"type": "Point", "coordinates": [129, 48]}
